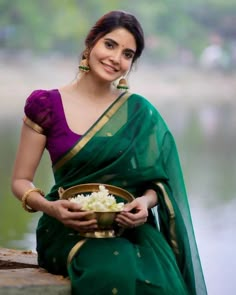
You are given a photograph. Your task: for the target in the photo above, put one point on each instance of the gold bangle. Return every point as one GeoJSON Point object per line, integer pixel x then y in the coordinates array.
{"type": "Point", "coordinates": [25, 197]}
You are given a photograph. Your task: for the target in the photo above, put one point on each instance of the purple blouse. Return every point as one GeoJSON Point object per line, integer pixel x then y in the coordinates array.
{"type": "Point", "coordinates": [45, 108]}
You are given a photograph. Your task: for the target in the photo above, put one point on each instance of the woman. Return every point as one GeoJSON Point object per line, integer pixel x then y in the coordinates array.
{"type": "Point", "coordinates": [96, 132]}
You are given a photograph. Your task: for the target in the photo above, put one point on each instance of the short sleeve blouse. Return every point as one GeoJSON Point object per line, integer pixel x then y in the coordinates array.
{"type": "Point", "coordinates": [44, 111]}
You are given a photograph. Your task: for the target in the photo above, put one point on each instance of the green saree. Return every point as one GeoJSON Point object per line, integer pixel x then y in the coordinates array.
{"type": "Point", "coordinates": [129, 146]}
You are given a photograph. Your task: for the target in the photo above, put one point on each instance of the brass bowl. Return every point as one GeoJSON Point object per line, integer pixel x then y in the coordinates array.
{"type": "Point", "coordinates": [94, 187]}
{"type": "Point", "coordinates": [107, 227]}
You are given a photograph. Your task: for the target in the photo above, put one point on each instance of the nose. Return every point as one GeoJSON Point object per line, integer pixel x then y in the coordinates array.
{"type": "Point", "coordinates": [116, 56]}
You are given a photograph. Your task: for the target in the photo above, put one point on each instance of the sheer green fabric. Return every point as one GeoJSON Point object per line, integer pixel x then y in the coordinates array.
{"type": "Point", "coordinates": [129, 146]}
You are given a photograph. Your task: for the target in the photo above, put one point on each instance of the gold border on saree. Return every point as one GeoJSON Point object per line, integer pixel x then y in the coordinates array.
{"type": "Point", "coordinates": [74, 250]}
{"type": "Point", "coordinates": [171, 211]}
{"type": "Point", "coordinates": [94, 129]}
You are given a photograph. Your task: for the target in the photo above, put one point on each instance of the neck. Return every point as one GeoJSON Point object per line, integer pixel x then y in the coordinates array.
{"type": "Point", "coordinates": [94, 89]}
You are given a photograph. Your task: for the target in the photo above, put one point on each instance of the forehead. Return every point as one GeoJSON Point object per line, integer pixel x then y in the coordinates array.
{"type": "Point", "coordinates": [122, 37]}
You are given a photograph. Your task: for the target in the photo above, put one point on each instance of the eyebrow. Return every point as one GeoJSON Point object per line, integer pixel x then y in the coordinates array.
{"type": "Point", "coordinates": [114, 42]}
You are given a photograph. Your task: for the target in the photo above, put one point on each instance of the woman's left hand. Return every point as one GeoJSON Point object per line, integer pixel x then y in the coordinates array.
{"type": "Point", "coordinates": [134, 213]}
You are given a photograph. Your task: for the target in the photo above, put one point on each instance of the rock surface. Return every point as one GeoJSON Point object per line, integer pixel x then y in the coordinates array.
{"type": "Point", "coordinates": [20, 275]}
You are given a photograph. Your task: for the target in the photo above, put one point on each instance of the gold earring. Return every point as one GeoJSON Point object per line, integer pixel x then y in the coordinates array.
{"type": "Point", "coordinates": [122, 84]}
{"type": "Point", "coordinates": [84, 66]}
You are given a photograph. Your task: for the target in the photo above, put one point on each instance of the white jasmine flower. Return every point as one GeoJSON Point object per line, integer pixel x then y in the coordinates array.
{"type": "Point", "coordinates": [99, 201]}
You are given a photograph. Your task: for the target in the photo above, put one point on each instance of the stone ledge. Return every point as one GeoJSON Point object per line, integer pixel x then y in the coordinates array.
{"type": "Point", "coordinates": [11, 258]}
{"type": "Point", "coordinates": [20, 275]}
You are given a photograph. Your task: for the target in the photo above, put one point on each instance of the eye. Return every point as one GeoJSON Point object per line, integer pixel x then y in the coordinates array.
{"type": "Point", "coordinates": [108, 44]}
{"type": "Point", "coordinates": [128, 54]}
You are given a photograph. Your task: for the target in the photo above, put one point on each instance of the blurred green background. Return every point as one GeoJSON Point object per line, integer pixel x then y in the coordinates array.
{"type": "Point", "coordinates": [188, 71]}
{"type": "Point", "coordinates": [175, 31]}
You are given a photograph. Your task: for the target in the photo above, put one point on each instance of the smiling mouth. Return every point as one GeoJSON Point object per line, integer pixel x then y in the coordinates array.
{"type": "Point", "coordinates": [111, 68]}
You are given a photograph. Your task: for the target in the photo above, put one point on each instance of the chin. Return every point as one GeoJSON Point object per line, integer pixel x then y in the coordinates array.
{"type": "Point", "coordinates": [108, 79]}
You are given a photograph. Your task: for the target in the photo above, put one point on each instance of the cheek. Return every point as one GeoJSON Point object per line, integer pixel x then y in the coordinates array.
{"type": "Point", "coordinates": [91, 59]}
{"type": "Point", "coordinates": [126, 65]}
{"type": "Point", "coordinates": [98, 52]}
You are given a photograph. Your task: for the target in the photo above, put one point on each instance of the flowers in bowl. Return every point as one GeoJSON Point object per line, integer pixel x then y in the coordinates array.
{"type": "Point", "coordinates": [104, 209]}
{"type": "Point", "coordinates": [100, 201]}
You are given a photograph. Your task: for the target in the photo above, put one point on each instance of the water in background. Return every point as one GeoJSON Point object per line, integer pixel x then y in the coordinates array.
{"type": "Point", "coordinates": [204, 128]}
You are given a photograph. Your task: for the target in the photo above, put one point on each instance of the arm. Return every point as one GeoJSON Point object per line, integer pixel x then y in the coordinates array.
{"type": "Point", "coordinates": [151, 198]}
{"type": "Point", "coordinates": [29, 154]}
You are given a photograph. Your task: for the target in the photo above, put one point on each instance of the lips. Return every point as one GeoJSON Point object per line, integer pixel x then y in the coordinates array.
{"type": "Point", "coordinates": [110, 68]}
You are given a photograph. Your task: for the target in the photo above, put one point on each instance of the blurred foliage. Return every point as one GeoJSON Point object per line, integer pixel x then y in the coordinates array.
{"type": "Point", "coordinates": [173, 29]}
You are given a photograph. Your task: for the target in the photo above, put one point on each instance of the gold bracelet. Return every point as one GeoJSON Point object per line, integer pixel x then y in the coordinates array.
{"type": "Point", "coordinates": [25, 197]}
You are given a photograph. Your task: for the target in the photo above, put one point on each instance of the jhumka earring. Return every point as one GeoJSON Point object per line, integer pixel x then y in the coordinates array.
{"type": "Point", "coordinates": [84, 66]}
{"type": "Point", "coordinates": [122, 84]}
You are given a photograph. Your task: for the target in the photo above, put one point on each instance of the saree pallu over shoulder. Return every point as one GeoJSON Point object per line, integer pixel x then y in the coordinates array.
{"type": "Point", "coordinates": [130, 146]}
{"type": "Point", "coordinates": [92, 131]}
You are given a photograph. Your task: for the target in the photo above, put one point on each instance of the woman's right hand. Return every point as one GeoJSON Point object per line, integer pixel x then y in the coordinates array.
{"type": "Point", "coordinates": [70, 215]}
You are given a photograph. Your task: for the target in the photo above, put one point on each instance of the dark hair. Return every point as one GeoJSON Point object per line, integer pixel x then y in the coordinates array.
{"type": "Point", "coordinates": [113, 20]}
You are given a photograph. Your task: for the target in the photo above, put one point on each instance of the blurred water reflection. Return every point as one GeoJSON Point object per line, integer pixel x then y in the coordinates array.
{"type": "Point", "coordinates": [205, 135]}
{"type": "Point", "coordinates": [207, 142]}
